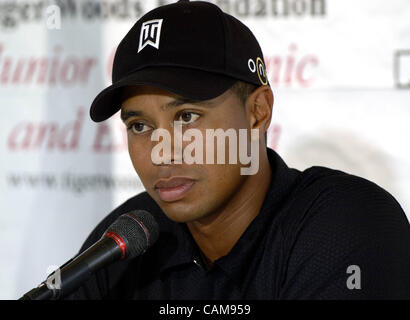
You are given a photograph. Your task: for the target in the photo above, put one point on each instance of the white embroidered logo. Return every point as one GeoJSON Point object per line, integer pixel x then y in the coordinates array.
{"type": "Point", "coordinates": [150, 33]}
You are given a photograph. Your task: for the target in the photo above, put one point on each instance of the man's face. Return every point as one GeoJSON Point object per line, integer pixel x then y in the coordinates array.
{"type": "Point", "coordinates": [185, 192]}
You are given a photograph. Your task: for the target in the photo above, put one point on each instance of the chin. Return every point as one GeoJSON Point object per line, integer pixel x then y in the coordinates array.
{"type": "Point", "coordinates": [182, 212]}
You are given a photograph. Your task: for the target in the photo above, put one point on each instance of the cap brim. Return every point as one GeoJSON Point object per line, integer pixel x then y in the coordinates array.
{"type": "Point", "coordinates": [188, 83]}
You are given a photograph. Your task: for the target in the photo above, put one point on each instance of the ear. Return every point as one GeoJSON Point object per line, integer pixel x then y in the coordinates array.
{"type": "Point", "coordinates": [259, 107]}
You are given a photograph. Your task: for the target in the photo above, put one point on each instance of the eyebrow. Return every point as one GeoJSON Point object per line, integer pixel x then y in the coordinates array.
{"type": "Point", "coordinates": [126, 114]}
{"type": "Point", "coordinates": [181, 101]}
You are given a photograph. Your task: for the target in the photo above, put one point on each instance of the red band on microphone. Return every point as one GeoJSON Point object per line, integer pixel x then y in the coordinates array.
{"type": "Point", "coordinates": [119, 241]}
{"type": "Point", "coordinates": [142, 226]}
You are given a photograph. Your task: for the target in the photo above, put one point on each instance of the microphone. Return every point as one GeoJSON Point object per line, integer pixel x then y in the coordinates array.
{"type": "Point", "coordinates": [128, 237]}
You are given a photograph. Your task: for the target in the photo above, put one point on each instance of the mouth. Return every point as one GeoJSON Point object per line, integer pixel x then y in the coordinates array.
{"type": "Point", "coordinates": [173, 189]}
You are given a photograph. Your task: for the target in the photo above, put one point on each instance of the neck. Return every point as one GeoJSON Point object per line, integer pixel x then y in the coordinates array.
{"type": "Point", "coordinates": [217, 233]}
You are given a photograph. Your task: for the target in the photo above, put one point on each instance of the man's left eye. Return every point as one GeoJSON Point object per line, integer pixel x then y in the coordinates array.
{"type": "Point", "coordinates": [188, 117]}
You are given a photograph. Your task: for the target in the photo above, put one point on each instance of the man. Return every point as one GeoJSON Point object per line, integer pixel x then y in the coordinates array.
{"type": "Point", "coordinates": [267, 233]}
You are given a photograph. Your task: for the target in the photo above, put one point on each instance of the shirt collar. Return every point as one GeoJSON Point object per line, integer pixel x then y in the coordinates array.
{"type": "Point", "coordinates": [186, 249]}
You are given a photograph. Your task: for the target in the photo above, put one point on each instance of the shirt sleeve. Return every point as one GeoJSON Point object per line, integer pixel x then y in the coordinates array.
{"type": "Point", "coordinates": [352, 242]}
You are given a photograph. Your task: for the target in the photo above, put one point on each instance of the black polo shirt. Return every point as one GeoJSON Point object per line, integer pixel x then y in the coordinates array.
{"type": "Point", "coordinates": [320, 234]}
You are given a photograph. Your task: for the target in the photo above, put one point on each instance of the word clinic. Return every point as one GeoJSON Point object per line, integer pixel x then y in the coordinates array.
{"type": "Point", "coordinates": [161, 152]}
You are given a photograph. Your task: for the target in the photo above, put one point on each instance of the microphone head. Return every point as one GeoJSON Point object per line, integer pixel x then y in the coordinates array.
{"type": "Point", "coordinates": [134, 232]}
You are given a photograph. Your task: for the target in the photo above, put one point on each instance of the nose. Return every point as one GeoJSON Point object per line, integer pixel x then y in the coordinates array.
{"type": "Point", "coordinates": [167, 147]}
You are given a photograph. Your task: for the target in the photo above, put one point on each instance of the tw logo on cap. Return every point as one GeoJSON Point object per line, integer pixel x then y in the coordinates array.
{"type": "Point", "coordinates": [150, 34]}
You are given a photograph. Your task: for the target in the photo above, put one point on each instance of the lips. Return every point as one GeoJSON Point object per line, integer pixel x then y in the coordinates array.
{"type": "Point", "coordinates": [173, 189]}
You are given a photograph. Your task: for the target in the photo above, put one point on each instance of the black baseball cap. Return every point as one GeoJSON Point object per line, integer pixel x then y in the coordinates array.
{"type": "Point", "coordinates": [192, 49]}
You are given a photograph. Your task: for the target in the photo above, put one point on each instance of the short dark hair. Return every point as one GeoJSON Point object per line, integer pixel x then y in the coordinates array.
{"type": "Point", "coordinates": [243, 90]}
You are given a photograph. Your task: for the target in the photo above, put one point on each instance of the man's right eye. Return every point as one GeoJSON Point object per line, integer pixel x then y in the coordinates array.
{"type": "Point", "coordinates": [138, 127]}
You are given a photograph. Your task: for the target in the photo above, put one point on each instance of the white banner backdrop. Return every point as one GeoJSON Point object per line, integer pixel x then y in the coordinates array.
{"type": "Point", "coordinates": [340, 72]}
